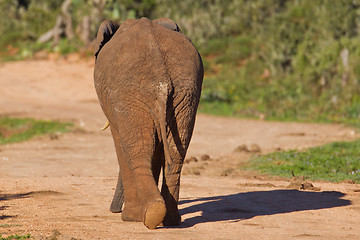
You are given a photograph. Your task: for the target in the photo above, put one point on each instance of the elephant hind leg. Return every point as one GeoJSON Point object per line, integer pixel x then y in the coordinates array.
{"type": "Point", "coordinates": [118, 200]}
{"type": "Point", "coordinates": [181, 128]}
{"type": "Point", "coordinates": [126, 188]}
{"type": "Point", "coordinates": [155, 213]}
{"type": "Point", "coordinates": [135, 146]}
{"type": "Point", "coordinates": [170, 192]}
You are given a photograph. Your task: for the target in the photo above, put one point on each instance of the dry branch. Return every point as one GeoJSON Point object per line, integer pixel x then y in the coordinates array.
{"type": "Point", "coordinates": [62, 25]}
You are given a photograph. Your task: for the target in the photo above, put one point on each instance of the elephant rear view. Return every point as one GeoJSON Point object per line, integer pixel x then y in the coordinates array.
{"type": "Point", "coordinates": [148, 78]}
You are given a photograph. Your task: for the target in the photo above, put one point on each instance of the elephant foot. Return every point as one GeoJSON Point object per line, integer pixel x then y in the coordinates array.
{"type": "Point", "coordinates": [172, 219]}
{"type": "Point", "coordinates": [132, 214]}
{"type": "Point", "coordinates": [154, 214]}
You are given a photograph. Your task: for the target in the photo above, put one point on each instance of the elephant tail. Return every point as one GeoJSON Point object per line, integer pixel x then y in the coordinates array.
{"type": "Point", "coordinates": [164, 92]}
{"type": "Point", "coordinates": [164, 140]}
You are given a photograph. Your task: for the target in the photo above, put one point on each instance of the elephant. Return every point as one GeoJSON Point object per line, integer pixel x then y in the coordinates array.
{"type": "Point", "coordinates": [148, 77]}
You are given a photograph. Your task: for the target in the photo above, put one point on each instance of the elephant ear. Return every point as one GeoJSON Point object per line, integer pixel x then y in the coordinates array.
{"type": "Point", "coordinates": [106, 30]}
{"type": "Point", "coordinates": [167, 23]}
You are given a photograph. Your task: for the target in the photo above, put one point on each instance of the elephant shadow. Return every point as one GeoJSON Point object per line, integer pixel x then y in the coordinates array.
{"type": "Point", "coordinates": [242, 206]}
{"type": "Point", "coordinates": [9, 197]}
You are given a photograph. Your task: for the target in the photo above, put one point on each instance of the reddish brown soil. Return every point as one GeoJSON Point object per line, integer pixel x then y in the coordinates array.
{"type": "Point", "coordinates": [61, 186]}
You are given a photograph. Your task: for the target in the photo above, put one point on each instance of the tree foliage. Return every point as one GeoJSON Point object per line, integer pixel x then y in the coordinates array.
{"type": "Point", "coordinates": [302, 65]}
{"type": "Point", "coordinates": [284, 59]}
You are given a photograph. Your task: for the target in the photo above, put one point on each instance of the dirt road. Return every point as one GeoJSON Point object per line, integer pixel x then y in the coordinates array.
{"type": "Point", "coordinates": [61, 187]}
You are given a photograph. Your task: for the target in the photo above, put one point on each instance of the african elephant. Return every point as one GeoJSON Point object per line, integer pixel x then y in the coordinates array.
{"type": "Point", "coordinates": [148, 78]}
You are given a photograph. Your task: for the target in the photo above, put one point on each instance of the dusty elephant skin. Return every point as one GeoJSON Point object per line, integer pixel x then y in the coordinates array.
{"type": "Point", "coordinates": [148, 78]}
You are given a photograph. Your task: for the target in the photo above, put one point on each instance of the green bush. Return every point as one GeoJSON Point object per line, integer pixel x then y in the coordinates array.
{"type": "Point", "coordinates": [299, 61]}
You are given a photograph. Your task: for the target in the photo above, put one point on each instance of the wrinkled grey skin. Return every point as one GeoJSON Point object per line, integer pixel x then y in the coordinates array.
{"type": "Point", "coordinates": [148, 78]}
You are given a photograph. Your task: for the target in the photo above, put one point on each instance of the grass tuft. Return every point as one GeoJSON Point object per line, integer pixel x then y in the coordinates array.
{"type": "Point", "coordinates": [21, 129]}
{"type": "Point", "coordinates": [16, 236]}
{"type": "Point", "coordinates": [333, 162]}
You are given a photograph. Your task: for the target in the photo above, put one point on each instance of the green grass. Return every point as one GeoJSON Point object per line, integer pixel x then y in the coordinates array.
{"type": "Point", "coordinates": [9, 225]}
{"type": "Point", "coordinates": [216, 108]}
{"type": "Point", "coordinates": [22, 129]}
{"type": "Point", "coordinates": [241, 110]}
{"type": "Point", "coordinates": [333, 162]}
{"type": "Point", "coordinates": [11, 237]}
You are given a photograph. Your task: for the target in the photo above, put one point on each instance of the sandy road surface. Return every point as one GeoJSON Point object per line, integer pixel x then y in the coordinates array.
{"type": "Point", "coordinates": [61, 188]}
